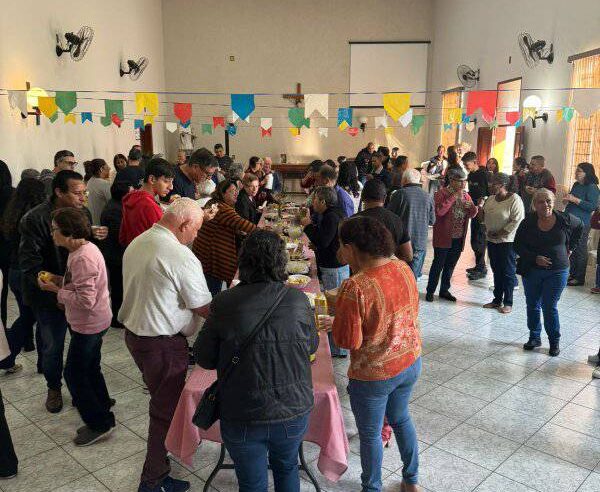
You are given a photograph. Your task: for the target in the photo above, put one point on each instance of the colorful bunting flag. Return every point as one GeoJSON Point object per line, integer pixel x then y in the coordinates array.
{"type": "Point", "coordinates": [586, 101]}
{"type": "Point", "coordinates": [318, 103]}
{"type": "Point", "coordinates": [266, 123]}
{"type": "Point", "coordinates": [323, 132]}
{"type": "Point", "coordinates": [146, 101]}
{"type": "Point", "coordinates": [112, 107]}
{"type": "Point", "coordinates": [185, 124]}
{"type": "Point", "coordinates": [148, 119]}
{"type": "Point", "coordinates": [18, 100]}
{"type": "Point", "coordinates": [353, 131]}
{"type": "Point", "coordinates": [381, 121]}
{"type": "Point", "coordinates": [470, 126]}
{"type": "Point", "coordinates": [559, 115]}
{"type": "Point", "coordinates": [171, 126]}
{"type": "Point", "coordinates": [448, 126]}
{"type": "Point", "coordinates": [406, 118]}
{"type": "Point", "coordinates": [138, 124]}
{"type": "Point", "coordinates": [484, 100]}
{"type": "Point", "coordinates": [70, 118]}
{"type": "Point", "coordinates": [48, 107]}
{"type": "Point", "coordinates": [396, 104]}
{"type": "Point", "coordinates": [266, 132]}
{"type": "Point", "coordinates": [295, 132]}
{"type": "Point", "coordinates": [296, 117]}
{"type": "Point", "coordinates": [344, 116]}
{"type": "Point", "coordinates": [183, 112]}
{"type": "Point", "coordinates": [389, 130]}
{"type": "Point", "coordinates": [232, 130]}
{"type": "Point", "coordinates": [518, 123]}
{"type": "Point", "coordinates": [465, 119]}
{"type": "Point", "coordinates": [528, 113]}
{"type": "Point", "coordinates": [567, 113]}
{"type": "Point", "coordinates": [343, 125]}
{"type": "Point", "coordinates": [512, 117]}
{"type": "Point", "coordinates": [417, 123]}
{"type": "Point", "coordinates": [242, 106]}
{"type": "Point", "coordinates": [452, 115]}
{"type": "Point", "coordinates": [116, 119]}
{"type": "Point", "coordinates": [218, 121]}
{"type": "Point", "coordinates": [66, 101]}
{"type": "Point", "coordinates": [207, 129]}
{"type": "Point", "coordinates": [86, 116]}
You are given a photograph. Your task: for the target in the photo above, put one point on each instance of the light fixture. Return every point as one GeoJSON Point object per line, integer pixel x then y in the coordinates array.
{"type": "Point", "coordinates": [363, 123]}
{"type": "Point", "coordinates": [534, 101]}
{"type": "Point", "coordinates": [33, 93]}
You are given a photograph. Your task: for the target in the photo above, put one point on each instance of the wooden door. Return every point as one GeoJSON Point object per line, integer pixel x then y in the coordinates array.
{"type": "Point", "coordinates": [484, 144]}
{"type": "Point", "coordinates": [146, 140]}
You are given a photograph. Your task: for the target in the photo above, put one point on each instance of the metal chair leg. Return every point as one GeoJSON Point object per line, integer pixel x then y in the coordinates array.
{"type": "Point", "coordinates": [304, 466]}
{"type": "Point", "coordinates": [216, 469]}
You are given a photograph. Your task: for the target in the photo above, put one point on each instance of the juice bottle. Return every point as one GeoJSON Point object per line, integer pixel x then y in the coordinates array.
{"type": "Point", "coordinates": [320, 312]}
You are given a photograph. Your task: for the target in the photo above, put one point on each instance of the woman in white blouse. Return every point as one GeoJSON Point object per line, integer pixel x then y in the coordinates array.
{"type": "Point", "coordinates": [502, 213]}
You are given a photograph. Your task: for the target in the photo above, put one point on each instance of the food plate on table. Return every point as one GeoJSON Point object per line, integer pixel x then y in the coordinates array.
{"type": "Point", "coordinates": [298, 267]}
{"type": "Point", "coordinates": [298, 281]}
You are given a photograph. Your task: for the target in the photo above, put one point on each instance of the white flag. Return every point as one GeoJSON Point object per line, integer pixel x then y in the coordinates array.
{"type": "Point", "coordinates": [266, 123]}
{"type": "Point", "coordinates": [18, 100]}
{"type": "Point", "coordinates": [236, 117]}
{"type": "Point", "coordinates": [381, 121]}
{"type": "Point", "coordinates": [586, 101]}
{"type": "Point", "coordinates": [316, 102]}
{"type": "Point", "coordinates": [171, 127]}
{"type": "Point", "coordinates": [323, 132]}
{"type": "Point", "coordinates": [406, 118]}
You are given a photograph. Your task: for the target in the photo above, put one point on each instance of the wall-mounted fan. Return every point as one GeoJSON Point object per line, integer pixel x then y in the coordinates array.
{"type": "Point", "coordinates": [534, 51]}
{"type": "Point", "coordinates": [136, 68]}
{"type": "Point", "coordinates": [76, 44]}
{"type": "Point", "coordinates": [467, 76]}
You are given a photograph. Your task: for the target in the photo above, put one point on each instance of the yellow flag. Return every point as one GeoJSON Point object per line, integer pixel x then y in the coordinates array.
{"type": "Point", "coordinates": [148, 119]}
{"type": "Point", "coordinates": [343, 125]}
{"type": "Point", "coordinates": [396, 104]}
{"type": "Point", "coordinates": [294, 131]}
{"type": "Point", "coordinates": [47, 106]}
{"type": "Point", "coordinates": [559, 115]}
{"type": "Point", "coordinates": [528, 113]}
{"type": "Point", "coordinates": [389, 130]}
{"type": "Point", "coordinates": [70, 118]}
{"type": "Point", "coordinates": [148, 100]}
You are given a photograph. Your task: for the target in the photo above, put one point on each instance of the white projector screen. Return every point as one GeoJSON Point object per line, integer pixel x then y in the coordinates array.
{"type": "Point", "coordinates": [387, 67]}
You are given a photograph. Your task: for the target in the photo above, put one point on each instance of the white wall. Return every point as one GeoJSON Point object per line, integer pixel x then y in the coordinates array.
{"type": "Point", "coordinates": [483, 34]}
{"type": "Point", "coordinates": [277, 44]}
{"type": "Point", "coordinates": [129, 28]}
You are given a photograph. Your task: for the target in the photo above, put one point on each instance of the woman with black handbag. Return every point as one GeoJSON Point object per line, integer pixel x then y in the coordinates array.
{"type": "Point", "coordinates": [259, 337]}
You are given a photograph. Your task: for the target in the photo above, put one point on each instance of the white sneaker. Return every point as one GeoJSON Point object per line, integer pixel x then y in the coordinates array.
{"type": "Point", "coordinates": [492, 287]}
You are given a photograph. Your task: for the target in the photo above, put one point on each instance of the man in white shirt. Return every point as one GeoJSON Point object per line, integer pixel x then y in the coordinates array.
{"type": "Point", "coordinates": [165, 294]}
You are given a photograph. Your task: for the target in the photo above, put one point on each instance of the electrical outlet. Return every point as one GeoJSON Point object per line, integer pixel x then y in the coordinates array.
{"type": "Point", "coordinates": [231, 58]}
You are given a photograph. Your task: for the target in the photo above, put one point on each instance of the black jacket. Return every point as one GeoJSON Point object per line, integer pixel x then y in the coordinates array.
{"type": "Point", "coordinates": [37, 252]}
{"type": "Point", "coordinates": [111, 217]}
{"type": "Point", "coordinates": [363, 161]}
{"type": "Point", "coordinates": [324, 235]}
{"type": "Point", "coordinates": [247, 207]}
{"type": "Point", "coordinates": [273, 380]}
{"type": "Point", "coordinates": [478, 184]}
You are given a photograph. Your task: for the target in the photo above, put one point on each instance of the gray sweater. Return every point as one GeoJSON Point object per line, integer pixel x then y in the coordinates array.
{"type": "Point", "coordinates": [415, 207]}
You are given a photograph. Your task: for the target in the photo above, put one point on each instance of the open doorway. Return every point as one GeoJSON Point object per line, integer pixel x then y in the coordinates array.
{"type": "Point", "coordinates": [507, 140]}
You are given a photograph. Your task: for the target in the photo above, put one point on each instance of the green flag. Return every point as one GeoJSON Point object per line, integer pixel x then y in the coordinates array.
{"type": "Point", "coordinates": [417, 123]}
{"type": "Point", "coordinates": [296, 116]}
{"type": "Point", "coordinates": [207, 128]}
{"type": "Point", "coordinates": [112, 106]}
{"type": "Point", "coordinates": [66, 101]}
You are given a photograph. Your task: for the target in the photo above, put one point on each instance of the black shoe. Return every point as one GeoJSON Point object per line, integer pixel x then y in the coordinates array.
{"type": "Point", "coordinates": [169, 484]}
{"type": "Point", "coordinates": [28, 346]}
{"type": "Point", "coordinates": [554, 350]}
{"type": "Point", "coordinates": [472, 269]}
{"type": "Point", "coordinates": [531, 344]}
{"type": "Point", "coordinates": [112, 402]}
{"type": "Point", "coordinates": [447, 296]}
{"type": "Point", "coordinates": [89, 436]}
{"type": "Point", "coordinates": [476, 275]}
{"type": "Point", "coordinates": [429, 297]}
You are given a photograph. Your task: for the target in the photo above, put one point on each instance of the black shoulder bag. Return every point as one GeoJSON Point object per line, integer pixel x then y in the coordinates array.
{"type": "Point", "coordinates": [207, 412]}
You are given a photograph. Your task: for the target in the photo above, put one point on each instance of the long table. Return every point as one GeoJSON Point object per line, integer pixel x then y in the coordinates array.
{"type": "Point", "coordinates": [326, 425]}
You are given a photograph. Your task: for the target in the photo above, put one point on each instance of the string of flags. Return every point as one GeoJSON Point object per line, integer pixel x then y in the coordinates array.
{"type": "Point", "coordinates": [397, 106]}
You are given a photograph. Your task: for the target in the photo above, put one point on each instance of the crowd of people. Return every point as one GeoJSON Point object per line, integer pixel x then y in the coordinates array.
{"type": "Point", "coordinates": [152, 247]}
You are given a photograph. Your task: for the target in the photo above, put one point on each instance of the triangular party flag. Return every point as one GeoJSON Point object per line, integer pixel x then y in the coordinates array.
{"type": "Point", "coordinates": [448, 126]}
{"type": "Point", "coordinates": [343, 125]}
{"type": "Point", "coordinates": [567, 113]}
{"type": "Point", "coordinates": [295, 132]}
{"type": "Point", "coordinates": [344, 116]}
{"type": "Point", "coordinates": [147, 101]}
{"type": "Point", "coordinates": [470, 126]}
{"type": "Point", "coordinates": [54, 117]}
{"type": "Point", "coordinates": [389, 130]}
{"type": "Point", "coordinates": [218, 121]}
{"type": "Point", "coordinates": [18, 100]}
{"type": "Point", "coordinates": [323, 132]}
{"type": "Point", "coordinates": [484, 100]}
{"type": "Point", "coordinates": [70, 118]}
{"type": "Point", "coordinates": [512, 117]}
{"type": "Point", "coordinates": [353, 131]}
{"type": "Point", "coordinates": [242, 105]}
{"type": "Point", "coordinates": [559, 115]}
{"type": "Point", "coordinates": [296, 117]}
{"type": "Point", "coordinates": [493, 123]}
{"type": "Point", "coordinates": [207, 129]}
{"type": "Point", "coordinates": [86, 116]}
{"type": "Point", "coordinates": [148, 119]}
{"type": "Point", "coordinates": [453, 115]}
{"type": "Point", "coordinates": [396, 104]}
{"type": "Point", "coordinates": [171, 126]}
{"type": "Point", "coordinates": [116, 120]}
{"type": "Point", "coordinates": [488, 118]}
{"type": "Point", "coordinates": [232, 130]}
{"type": "Point", "coordinates": [586, 101]}
{"type": "Point", "coordinates": [518, 123]}
{"type": "Point", "coordinates": [66, 101]}
{"type": "Point", "coordinates": [528, 113]}
{"type": "Point", "coordinates": [112, 106]}
{"type": "Point", "coordinates": [185, 124]}
{"type": "Point", "coordinates": [266, 123]}
{"type": "Point", "coordinates": [381, 121]}
{"type": "Point", "coordinates": [318, 103]}
{"type": "Point", "coordinates": [48, 107]}
{"type": "Point", "coordinates": [417, 123]}
{"type": "Point", "coordinates": [406, 118]}
{"type": "Point", "coordinates": [268, 132]}
{"type": "Point", "coordinates": [465, 119]}
{"type": "Point", "coordinates": [138, 124]}
{"type": "Point", "coordinates": [105, 120]}
{"type": "Point", "coordinates": [182, 111]}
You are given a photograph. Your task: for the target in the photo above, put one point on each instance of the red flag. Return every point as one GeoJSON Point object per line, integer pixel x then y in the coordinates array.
{"type": "Point", "coordinates": [353, 131]}
{"type": "Point", "coordinates": [512, 117]}
{"type": "Point", "coordinates": [183, 111]}
{"type": "Point", "coordinates": [264, 133]}
{"type": "Point", "coordinates": [218, 121]}
{"type": "Point", "coordinates": [484, 100]}
{"type": "Point", "coordinates": [116, 120]}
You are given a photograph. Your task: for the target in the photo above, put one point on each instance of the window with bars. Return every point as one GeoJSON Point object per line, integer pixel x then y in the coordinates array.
{"type": "Point", "coordinates": [450, 100]}
{"type": "Point", "coordinates": [584, 133]}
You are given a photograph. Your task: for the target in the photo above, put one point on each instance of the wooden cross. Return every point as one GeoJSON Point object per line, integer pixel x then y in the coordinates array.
{"type": "Point", "coordinates": [298, 97]}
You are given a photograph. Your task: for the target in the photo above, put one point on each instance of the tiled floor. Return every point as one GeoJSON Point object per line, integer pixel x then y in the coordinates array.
{"type": "Point", "coordinates": [490, 417]}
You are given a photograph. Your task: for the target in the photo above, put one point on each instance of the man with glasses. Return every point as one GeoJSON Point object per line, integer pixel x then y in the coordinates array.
{"type": "Point", "coordinates": [63, 160]}
{"type": "Point", "coordinates": [200, 168]}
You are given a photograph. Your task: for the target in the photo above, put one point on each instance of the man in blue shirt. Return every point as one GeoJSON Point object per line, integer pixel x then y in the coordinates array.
{"type": "Point", "coordinates": [200, 167]}
{"type": "Point", "coordinates": [327, 176]}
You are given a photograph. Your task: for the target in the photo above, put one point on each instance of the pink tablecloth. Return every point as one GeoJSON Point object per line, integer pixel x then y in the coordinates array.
{"type": "Point", "coordinates": [326, 426]}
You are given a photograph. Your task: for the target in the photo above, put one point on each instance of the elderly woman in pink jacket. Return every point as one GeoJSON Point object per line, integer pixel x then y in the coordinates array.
{"type": "Point", "coordinates": [453, 209]}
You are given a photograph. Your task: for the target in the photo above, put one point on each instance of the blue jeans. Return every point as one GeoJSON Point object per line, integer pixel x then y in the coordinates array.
{"type": "Point", "coordinates": [444, 261]}
{"type": "Point", "coordinates": [52, 325]}
{"type": "Point", "coordinates": [542, 292]}
{"type": "Point", "coordinates": [370, 402]}
{"type": "Point", "coordinates": [253, 447]}
{"type": "Point", "coordinates": [416, 264]}
{"type": "Point", "coordinates": [503, 261]}
{"type": "Point", "coordinates": [332, 278]}
{"type": "Point", "coordinates": [598, 276]}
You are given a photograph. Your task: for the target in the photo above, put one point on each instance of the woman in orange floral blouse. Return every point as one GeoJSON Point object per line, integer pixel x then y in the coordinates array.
{"type": "Point", "coordinates": [376, 318]}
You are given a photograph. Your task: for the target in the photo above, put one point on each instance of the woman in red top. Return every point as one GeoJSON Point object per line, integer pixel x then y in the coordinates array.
{"type": "Point", "coordinates": [376, 318]}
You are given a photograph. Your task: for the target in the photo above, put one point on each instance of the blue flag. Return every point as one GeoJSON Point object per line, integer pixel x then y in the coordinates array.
{"type": "Point", "coordinates": [242, 105]}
